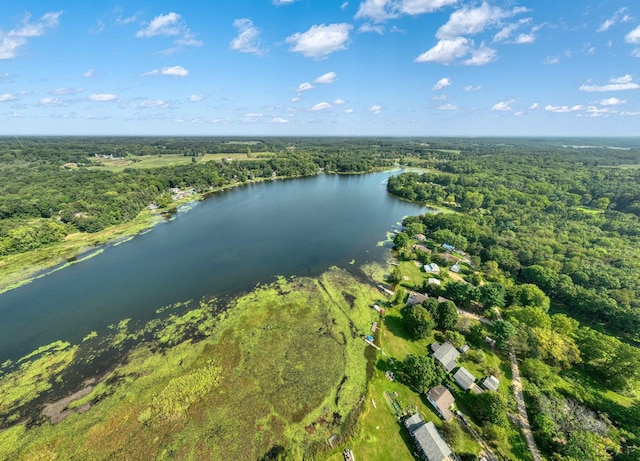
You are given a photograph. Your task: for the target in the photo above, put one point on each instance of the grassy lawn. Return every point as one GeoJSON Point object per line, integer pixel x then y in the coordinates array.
{"type": "Point", "coordinates": [158, 161]}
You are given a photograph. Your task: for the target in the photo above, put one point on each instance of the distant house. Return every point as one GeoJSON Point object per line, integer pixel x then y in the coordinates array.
{"type": "Point", "coordinates": [429, 442]}
{"type": "Point", "coordinates": [416, 298]}
{"type": "Point", "coordinates": [441, 399]}
{"type": "Point", "coordinates": [442, 299]}
{"type": "Point", "coordinates": [433, 281]}
{"type": "Point", "coordinates": [420, 237]}
{"type": "Point", "coordinates": [421, 248]}
{"type": "Point", "coordinates": [464, 349]}
{"type": "Point", "coordinates": [491, 383]}
{"type": "Point", "coordinates": [455, 268]}
{"type": "Point", "coordinates": [448, 257]}
{"type": "Point", "coordinates": [448, 247]}
{"type": "Point", "coordinates": [446, 354]}
{"type": "Point", "coordinates": [432, 268]}
{"type": "Point", "coordinates": [464, 378]}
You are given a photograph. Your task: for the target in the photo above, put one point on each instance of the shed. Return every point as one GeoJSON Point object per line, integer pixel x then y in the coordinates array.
{"type": "Point", "coordinates": [416, 298]}
{"type": "Point", "coordinates": [432, 268]}
{"type": "Point", "coordinates": [433, 281]}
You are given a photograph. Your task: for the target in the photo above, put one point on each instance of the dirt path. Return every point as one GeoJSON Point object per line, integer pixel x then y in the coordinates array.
{"type": "Point", "coordinates": [523, 418]}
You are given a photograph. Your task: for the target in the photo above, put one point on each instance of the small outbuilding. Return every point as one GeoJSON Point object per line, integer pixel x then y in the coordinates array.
{"type": "Point", "coordinates": [464, 378]}
{"type": "Point", "coordinates": [416, 298]}
{"type": "Point", "coordinates": [491, 383]}
{"type": "Point", "coordinates": [432, 268]}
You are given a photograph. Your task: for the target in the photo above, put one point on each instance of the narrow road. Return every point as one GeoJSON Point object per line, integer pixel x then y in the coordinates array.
{"type": "Point", "coordinates": [523, 418]}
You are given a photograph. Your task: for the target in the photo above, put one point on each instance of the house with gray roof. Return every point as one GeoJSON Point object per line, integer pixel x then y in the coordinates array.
{"type": "Point", "coordinates": [416, 298]}
{"type": "Point", "coordinates": [446, 354]}
{"type": "Point", "coordinates": [441, 399]}
{"type": "Point", "coordinates": [464, 378]}
{"type": "Point", "coordinates": [429, 442]}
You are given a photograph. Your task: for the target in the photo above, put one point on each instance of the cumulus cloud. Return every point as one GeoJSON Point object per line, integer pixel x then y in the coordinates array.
{"type": "Point", "coordinates": [481, 56]}
{"type": "Point", "coordinates": [349, 111]}
{"type": "Point", "coordinates": [279, 120]}
{"type": "Point", "coordinates": [446, 51]}
{"type": "Point", "coordinates": [472, 88]}
{"type": "Point", "coordinates": [248, 39]}
{"type": "Point", "coordinates": [152, 103]}
{"type": "Point", "coordinates": [339, 102]}
{"type": "Point", "coordinates": [448, 107]}
{"type": "Point", "coordinates": [66, 91]}
{"type": "Point", "coordinates": [320, 41]}
{"type": "Point", "coordinates": [376, 109]}
{"type": "Point", "coordinates": [170, 25]}
{"type": "Point", "coordinates": [633, 36]}
{"type": "Point", "coordinates": [175, 71]}
{"type": "Point", "coordinates": [53, 102]}
{"type": "Point", "coordinates": [321, 106]}
{"type": "Point", "coordinates": [102, 97]}
{"type": "Point", "coordinates": [327, 78]}
{"type": "Point", "coordinates": [283, 2]}
{"type": "Point", "coordinates": [89, 74]}
{"type": "Point", "coordinates": [534, 106]}
{"type": "Point", "coordinates": [12, 41]}
{"type": "Point", "coordinates": [471, 21]}
{"type": "Point", "coordinates": [382, 10]}
{"type": "Point", "coordinates": [615, 84]}
{"type": "Point", "coordinates": [306, 86]}
{"type": "Point", "coordinates": [557, 109]}
{"type": "Point", "coordinates": [442, 83]}
{"type": "Point", "coordinates": [366, 27]}
{"type": "Point", "coordinates": [503, 105]}
{"type": "Point", "coordinates": [612, 102]}
{"type": "Point", "coordinates": [196, 97]}
{"type": "Point", "coordinates": [7, 97]}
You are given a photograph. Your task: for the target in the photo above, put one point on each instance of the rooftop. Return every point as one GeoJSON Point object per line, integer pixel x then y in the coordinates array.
{"type": "Point", "coordinates": [464, 378]}
{"type": "Point", "coordinates": [427, 438]}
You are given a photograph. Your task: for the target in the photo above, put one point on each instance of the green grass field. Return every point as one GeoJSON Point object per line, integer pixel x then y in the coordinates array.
{"type": "Point", "coordinates": [158, 161]}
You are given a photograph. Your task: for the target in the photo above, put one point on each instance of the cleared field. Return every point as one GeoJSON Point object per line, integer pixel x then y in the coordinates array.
{"type": "Point", "coordinates": [158, 161]}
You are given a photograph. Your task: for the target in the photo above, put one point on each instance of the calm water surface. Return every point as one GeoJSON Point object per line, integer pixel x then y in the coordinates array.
{"type": "Point", "coordinates": [222, 246]}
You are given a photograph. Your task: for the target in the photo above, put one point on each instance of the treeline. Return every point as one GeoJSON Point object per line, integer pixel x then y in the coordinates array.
{"type": "Point", "coordinates": [524, 215]}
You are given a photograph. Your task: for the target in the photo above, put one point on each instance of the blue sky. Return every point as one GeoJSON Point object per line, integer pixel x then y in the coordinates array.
{"type": "Point", "coordinates": [320, 67]}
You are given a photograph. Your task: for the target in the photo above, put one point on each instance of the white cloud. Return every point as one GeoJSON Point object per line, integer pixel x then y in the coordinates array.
{"type": "Point", "coordinates": [296, 98]}
{"type": "Point", "coordinates": [557, 109]}
{"type": "Point", "coordinates": [446, 51]}
{"type": "Point", "coordinates": [633, 36]}
{"type": "Point", "coordinates": [53, 102]}
{"type": "Point", "coordinates": [636, 53]}
{"type": "Point", "coordinates": [551, 60]}
{"type": "Point", "coordinates": [170, 25]}
{"type": "Point", "coordinates": [283, 2]}
{"type": "Point", "coordinates": [615, 84]}
{"type": "Point", "coordinates": [381, 10]}
{"type": "Point", "coordinates": [321, 106]}
{"type": "Point", "coordinates": [102, 97]}
{"type": "Point", "coordinates": [442, 83]}
{"type": "Point", "coordinates": [152, 103]}
{"type": "Point", "coordinates": [327, 78]}
{"type": "Point", "coordinates": [306, 86]}
{"type": "Point", "coordinates": [519, 113]}
{"type": "Point", "coordinates": [349, 111]}
{"type": "Point", "coordinates": [320, 41]}
{"type": "Point", "coordinates": [253, 115]}
{"type": "Point", "coordinates": [89, 74]}
{"type": "Point", "coordinates": [15, 39]}
{"type": "Point", "coordinates": [470, 21]}
{"type": "Point", "coordinates": [279, 120]}
{"type": "Point", "coordinates": [448, 107]}
{"type": "Point", "coordinates": [366, 27]}
{"type": "Point", "coordinates": [7, 97]}
{"type": "Point", "coordinates": [440, 97]}
{"type": "Point", "coordinates": [472, 88]}
{"type": "Point", "coordinates": [503, 105]}
{"type": "Point", "coordinates": [619, 16]}
{"type": "Point", "coordinates": [248, 39]}
{"type": "Point", "coordinates": [525, 38]}
{"type": "Point", "coordinates": [612, 102]}
{"type": "Point", "coordinates": [376, 109]}
{"type": "Point", "coordinates": [534, 106]}
{"type": "Point", "coordinates": [344, 6]}
{"type": "Point", "coordinates": [66, 91]}
{"type": "Point", "coordinates": [196, 97]}
{"type": "Point", "coordinates": [629, 114]}
{"type": "Point", "coordinates": [175, 71]}
{"type": "Point", "coordinates": [339, 102]}
{"type": "Point", "coordinates": [481, 56]}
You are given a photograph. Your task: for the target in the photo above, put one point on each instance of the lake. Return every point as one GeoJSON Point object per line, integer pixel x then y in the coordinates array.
{"type": "Point", "coordinates": [221, 246]}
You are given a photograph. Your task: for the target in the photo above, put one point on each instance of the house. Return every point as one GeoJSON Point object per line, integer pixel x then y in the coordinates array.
{"type": "Point", "coordinates": [464, 378]}
{"type": "Point", "coordinates": [464, 348]}
{"type": "Point", "coordinates": [429, 442]}
{"type": "Point", "coordinates": [433, 281]}
{"type": "Point", "coordinates": [448, 247]}
{"type": "Point", "coordinates": [420, 237]}
{"type": "Point", "coordinates": [441, 399]}
{"type": "Point", "coordinates": [421, 248]}
{"type": "Point", "coordinates": [446, 354]}
{"type": "Point", "coordinates": [455, 268]}
{"type": "Point", "coordinates": [442, 299]}
{"type": "Point", "coordinates": [491, 383]}
{"type": "Point", "coordinates": [416, 298]}
{"type": "Point", "coordinates": [432, 268]}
